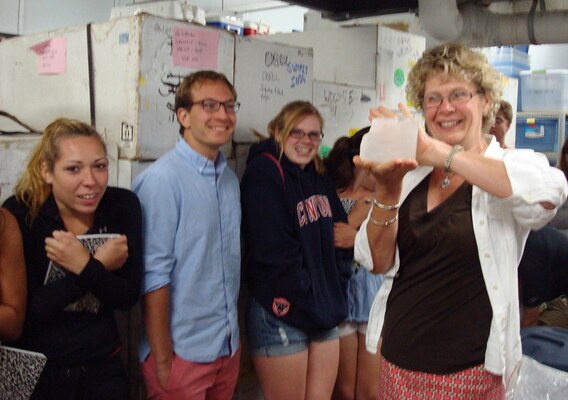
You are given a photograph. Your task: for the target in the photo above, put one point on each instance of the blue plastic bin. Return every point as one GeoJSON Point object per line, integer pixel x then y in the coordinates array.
{"type": "Point", "coordinates": [539, 134]}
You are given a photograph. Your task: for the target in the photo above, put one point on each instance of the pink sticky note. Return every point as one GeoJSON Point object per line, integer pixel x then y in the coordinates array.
{"type": "Point", "coordinates": [51, 56]}
{"type": "Point", "coordinates": [194, 48]}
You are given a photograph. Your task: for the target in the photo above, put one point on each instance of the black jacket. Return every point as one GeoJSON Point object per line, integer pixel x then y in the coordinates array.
{"type": "Point", "coordinates": [76, 338]}
{"type": "Point", "coordinates": [291, 264]}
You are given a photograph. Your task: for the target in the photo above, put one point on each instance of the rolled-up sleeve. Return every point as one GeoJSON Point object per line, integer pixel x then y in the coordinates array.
{"type": "Point", "coordinates": [533, 182]}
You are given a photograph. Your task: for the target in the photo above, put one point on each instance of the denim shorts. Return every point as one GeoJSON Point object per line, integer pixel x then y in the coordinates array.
{"type": "Point", "coordinates": [270, 336]}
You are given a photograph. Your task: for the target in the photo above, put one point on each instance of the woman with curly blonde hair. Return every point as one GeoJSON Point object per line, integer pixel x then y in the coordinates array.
{"type": "Point", "coordinates": [448, 229]}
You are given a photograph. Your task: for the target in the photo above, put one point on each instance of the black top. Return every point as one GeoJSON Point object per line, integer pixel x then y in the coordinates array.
{"type": "Point", "coordinates": [292, 269]}
{"type": "Point", "coordinates": [438, 313]}
{"type": "Point", "coordinates": [71, 337]}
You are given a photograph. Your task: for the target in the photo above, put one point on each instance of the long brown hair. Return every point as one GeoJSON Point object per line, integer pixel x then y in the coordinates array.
{"type": "Point", "coordinates": [285, 121]}
{"type": "Point", "coordinates": [32, 189]}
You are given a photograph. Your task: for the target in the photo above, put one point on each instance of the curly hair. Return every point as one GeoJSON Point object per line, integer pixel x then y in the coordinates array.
{"type": "Point", "coordinates": [286, 121]}
{"type": "Point", "coordinates": [31, 189]}
{"type": "Point", "coordinates": [456, 61]}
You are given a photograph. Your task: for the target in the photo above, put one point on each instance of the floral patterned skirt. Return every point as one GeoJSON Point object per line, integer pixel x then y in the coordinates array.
{"type": "Point", "coordinates": [473, 383]}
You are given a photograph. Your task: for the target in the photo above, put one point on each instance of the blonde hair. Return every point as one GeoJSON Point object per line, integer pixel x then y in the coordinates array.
{"type": "Point", "coordinates": [459, 62]}
{"type": "Point", "coordinates": [31, 189]}
{"type": "Point", "coordinates": [286, 121]}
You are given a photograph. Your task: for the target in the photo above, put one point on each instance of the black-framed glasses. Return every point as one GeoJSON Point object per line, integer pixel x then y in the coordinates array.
{"type": "Point", "coordinates": [433, 100]}
{"type": "Point", "coordinates": [211, 106]}
{"type": "Point", "coordinates": [299, 134]}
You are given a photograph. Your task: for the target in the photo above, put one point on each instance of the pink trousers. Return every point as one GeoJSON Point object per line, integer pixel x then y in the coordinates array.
{"type": "Point", "coordinates": [197, 381]}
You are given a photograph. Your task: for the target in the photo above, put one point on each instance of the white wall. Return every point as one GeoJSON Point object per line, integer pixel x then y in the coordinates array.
{"type": "Point", "coordinates": [550, 56]}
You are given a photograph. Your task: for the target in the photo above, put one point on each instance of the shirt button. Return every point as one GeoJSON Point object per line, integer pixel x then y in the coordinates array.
{"type": "Point", "coordinates": [487, 255]}
{"type": "Point", "coordinates": [495, 287]}
{"type": "Point", "coordinates": [481, 222]}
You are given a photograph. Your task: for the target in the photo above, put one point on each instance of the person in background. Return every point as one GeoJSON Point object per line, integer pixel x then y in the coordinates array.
{"type": "Point", "coordinates": [560, 220]}
{"type": "Point", "coordinates": [190, 348]}
{"type": "Point", "coordinates": [448, 229]}
{"type": "Point", "coordinates": [543, 272]}
{"type": "Point", "coordinates": [72, 291]}
{"type": "Point", "coordinates": [12, 278]}
{"type": "Point", "coordinates": [358, 369]}
{"type": "Point", "coordinates": [503, 121]}
{"type": "Point", "coordinates": [297, 287]}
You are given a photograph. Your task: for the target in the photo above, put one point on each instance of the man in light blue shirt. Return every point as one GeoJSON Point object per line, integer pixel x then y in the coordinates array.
{"type": "Point", "coordinates": [191, 209]}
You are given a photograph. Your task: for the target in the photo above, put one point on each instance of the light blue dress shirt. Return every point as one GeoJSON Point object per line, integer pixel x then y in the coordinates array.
{"type": "Point", "coordinates": [191, 224]}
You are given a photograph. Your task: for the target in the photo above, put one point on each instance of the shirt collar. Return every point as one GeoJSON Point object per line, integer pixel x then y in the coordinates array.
{"type": "Point", "coordinates": [201, 163]}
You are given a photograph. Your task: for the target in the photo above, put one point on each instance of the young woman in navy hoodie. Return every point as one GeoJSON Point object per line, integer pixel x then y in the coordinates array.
{"type": "Point", "coordinates": [297, 286]}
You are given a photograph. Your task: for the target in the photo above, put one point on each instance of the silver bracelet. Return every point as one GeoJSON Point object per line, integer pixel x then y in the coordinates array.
{"type": "Point", "coordinates": [448, 163]}
{"type": "Point", "coordinates": [384, 224]}
{"type": "Point", "coordinates": [386, 206]}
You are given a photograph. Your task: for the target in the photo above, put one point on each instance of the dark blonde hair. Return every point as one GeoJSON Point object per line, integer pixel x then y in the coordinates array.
{"type": "Point", "coordinates": [459, 62]}
{"type": "Point", "coordinates": [184, 97]}
{"type": "Point", "coordinates": [32, 189]}
{"type": "Point", "coordinates": [507, 110]}
{"type": "Point", "coordinates": [286, 121]}
{"type": "Point", "coordinates": [339, 162]}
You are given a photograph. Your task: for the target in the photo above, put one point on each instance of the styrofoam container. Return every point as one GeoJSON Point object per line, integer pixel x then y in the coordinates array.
{"type": "Point", "coordinates": [544, 90]}
{"type": "Point", "coordinates": [15, 151]}
{"type": "Point", "coordinates": [137, 76]}
{"type": "Point", "coordinates": [179, 9]}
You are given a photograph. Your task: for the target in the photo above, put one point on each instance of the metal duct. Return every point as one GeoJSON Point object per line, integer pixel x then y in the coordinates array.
{"type": "Point", "coordinates": [478, 27]}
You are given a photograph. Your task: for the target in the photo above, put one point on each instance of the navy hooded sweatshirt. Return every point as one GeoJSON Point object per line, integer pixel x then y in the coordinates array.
{"type": "Point", "coordinates": [291, 266]}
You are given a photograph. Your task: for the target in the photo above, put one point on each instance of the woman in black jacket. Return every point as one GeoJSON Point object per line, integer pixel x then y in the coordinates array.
{"type": "Point", "coordinates": [297, 287]}
{"type": "Point", "coordinates": [82, 243]}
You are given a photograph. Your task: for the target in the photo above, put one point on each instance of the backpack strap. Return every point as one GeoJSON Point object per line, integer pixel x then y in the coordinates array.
{"type": "Point", "coordinates": [275, 161]}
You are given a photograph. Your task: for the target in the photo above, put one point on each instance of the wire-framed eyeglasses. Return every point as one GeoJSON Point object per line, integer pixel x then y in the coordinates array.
{"type": "Point", "coordinates": [299, 134]}
{"type": "Point", "coordinates": [211, 106]}
{"type": "Point", "coordinates": [432, 100]}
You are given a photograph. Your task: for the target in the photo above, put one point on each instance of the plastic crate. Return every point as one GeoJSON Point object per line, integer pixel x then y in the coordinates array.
{"type": "Point", "coordinates": [509, 60]}
{"type": "Point", "coordinates": [544, 90]}
{"type": "Point", "coordinates": [539, 134]}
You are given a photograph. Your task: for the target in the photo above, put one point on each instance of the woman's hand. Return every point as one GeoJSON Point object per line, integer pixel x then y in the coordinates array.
{"type": "Point", "coordinates": [66, 250]}
{"type": "Point", "coordinates": [343, 235]}
{"type": "Point", "coordinates": [113, 253]}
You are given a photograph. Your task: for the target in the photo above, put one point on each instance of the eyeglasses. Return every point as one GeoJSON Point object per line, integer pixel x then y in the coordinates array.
{"type": "Point", "coordinates": [211, 106]}
{"type": "Point", "coordinates": [433, 100]}
{"type": "Point", "coordinates": [299, 134]}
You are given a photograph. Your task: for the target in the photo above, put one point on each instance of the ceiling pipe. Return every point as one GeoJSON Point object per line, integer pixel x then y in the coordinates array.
{"type": "Point", "coordinates": [476, 26]}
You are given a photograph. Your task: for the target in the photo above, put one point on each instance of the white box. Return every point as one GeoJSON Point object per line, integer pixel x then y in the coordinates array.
{"type": "Point", "coordinates": [34, 98]}
{"type": "Point", "coordinates": [341, 55]}
{"type": "Point", "coordinates": [128, 170]}
{"type": "Point", "coordinates": [344, 108]}
{"type": "Point", "coordinates": [397, 52]}
{"type": "Point", "coordinates": [267, 76]}
{"type": "Point", "coordinates": [15, 151]}
{"type": "Point", "coordinates": [544, 90]}
{"type": "Point", "coordinates": [180, 9]}
{"type": "Point", "coordinates": [136, 79]}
